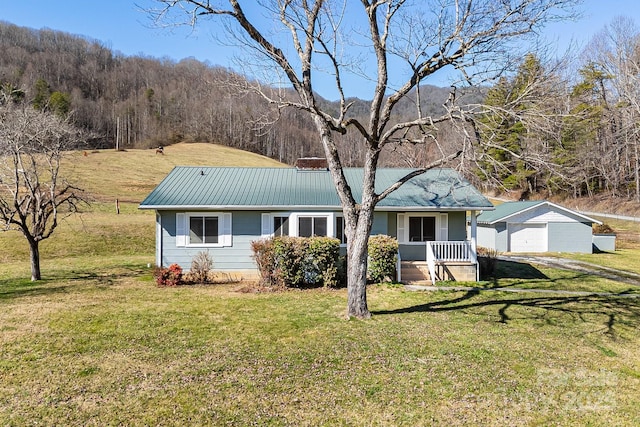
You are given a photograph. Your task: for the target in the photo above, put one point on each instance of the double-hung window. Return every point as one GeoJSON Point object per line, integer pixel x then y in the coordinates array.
{"type": "Point", "coordinates": [300, 224]}
{"type": "Point", "coordinates": [275, 224]}
{"type": "Point", "coordinates": [281, 225]}
{"type": "Point", "coordinates": [422, 228]}
{"type": "Point", "coordinates": [309, 226]}
{"type": "Point", "coordinates": [203, 229]}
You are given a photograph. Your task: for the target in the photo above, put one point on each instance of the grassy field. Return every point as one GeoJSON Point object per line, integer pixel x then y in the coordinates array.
{"type": "Point", "coordinates": [97, 343]}
{"type": "Point", "coordinates": [130, 175]}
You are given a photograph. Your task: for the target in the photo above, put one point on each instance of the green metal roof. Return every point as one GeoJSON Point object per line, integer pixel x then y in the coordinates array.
{"type": "Point", "coordinates": [285, 188]}
{"type": "Point", "coordinates": [505, 210]}
{"type": "Point", "coordinates": [508, 209]}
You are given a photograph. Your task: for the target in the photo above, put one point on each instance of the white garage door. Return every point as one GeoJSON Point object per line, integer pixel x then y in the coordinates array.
{"type": "Point", "coordinates": [528, 237]}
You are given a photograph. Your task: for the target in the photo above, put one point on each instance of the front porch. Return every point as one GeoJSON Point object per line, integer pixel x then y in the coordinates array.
{"type": "Point", "coordinates": [443, 261]}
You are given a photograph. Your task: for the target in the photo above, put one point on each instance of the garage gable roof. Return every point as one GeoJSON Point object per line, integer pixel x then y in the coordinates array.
{"type": "Point", "coordinates": [507, 210]}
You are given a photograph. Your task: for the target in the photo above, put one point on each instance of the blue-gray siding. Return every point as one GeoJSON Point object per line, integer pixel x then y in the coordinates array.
{"type": "Point", "coordinates": [502, 237]}
{"type": "Point", "coordinates": [457, 226]}
{"type": "Point", "coordinates": [246, 226]}
{"type": "Point", "coordinates": [494, 236]}
{"type": "Point", "coordinates": [604, 242]}
{"type": "Point", "coordinates": [487, 237]}
{"type": "Point", "coordinates": [561, 237]}
{"type": "Point", "coordinates": [569, 237]}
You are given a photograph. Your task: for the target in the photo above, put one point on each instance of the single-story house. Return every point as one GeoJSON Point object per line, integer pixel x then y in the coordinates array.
{"type": "Point", "coordinates": [535, 226]}
{"type": "Point", "coordinates": [223, 209]}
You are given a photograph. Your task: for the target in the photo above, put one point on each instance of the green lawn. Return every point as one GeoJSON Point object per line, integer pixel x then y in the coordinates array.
{"type": "Point", "coordinates": [520, 275]}
{"type": "Point", "coordinates": [97, 343]}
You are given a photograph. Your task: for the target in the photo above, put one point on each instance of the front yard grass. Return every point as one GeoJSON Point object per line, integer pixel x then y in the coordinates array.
{"type": "Point", "coordinates": [625, 259]}
{"type": "Point", "coordinates": [97, 343]}
{"type": "Point", "coordinates": [521, 275]}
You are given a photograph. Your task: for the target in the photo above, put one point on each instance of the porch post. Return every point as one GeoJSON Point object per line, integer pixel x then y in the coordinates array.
{"type": "Point", "coordinates": [473, 237]}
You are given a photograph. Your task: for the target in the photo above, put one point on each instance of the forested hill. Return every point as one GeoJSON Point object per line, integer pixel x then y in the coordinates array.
{"type": "Point", "coordinates": [541, 133]}
{"type": "Point", "coordinates": [144, 101]}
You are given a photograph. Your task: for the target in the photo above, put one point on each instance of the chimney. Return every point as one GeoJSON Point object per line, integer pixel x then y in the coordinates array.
{"type": "Point", "coordinates": [312, 164]}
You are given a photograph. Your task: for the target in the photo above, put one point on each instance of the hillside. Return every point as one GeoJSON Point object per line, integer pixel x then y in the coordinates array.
{"type": "Point", "coordinates": [107, 175]}
{"type": "Point", "coordinates": [130, 175]}
{"type": "Point", "coordinates": [144, 101]}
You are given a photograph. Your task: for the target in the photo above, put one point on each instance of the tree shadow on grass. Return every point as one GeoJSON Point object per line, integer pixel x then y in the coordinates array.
{"type": "Point", "coordinates": [611, 309]}
{"type": "Point", "coordinates": [10, 289]}
{"type": "Point", "coordinates": [65, 281]}
{"type": "Point", "coordinates": [513, 270]}
{"type": "Point", "coordinates": [517, 270]}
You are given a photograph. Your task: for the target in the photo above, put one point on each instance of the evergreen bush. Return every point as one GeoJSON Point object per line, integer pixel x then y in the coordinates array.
{"type": "Point", "coordinates": [383, 257]}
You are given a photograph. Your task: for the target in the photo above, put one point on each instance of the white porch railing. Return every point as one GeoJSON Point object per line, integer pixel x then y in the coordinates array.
{"type": "Point", "coordinates": [459, 251]}
{"type": "Point", "coordinates": [453, 251]}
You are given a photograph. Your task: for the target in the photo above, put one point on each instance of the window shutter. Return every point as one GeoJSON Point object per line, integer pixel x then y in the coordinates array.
{"type": "Point", "coordinates": [401, 234]}
{"type": "Point", "coordinates": [444, 227]}
{"type": "Point", "coordinates": [227, 230]}
{"type": "Point", "coordinates": [181, 229]}
{"type": "Point", "coordinates": [266, 225]}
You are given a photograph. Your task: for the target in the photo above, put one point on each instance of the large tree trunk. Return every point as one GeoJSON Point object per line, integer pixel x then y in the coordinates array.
{"type": "Point", "coordinates": [357, 254]}
{"type": "Point", "coordinates": [34, 253]}
{"type": "Point", "coordinates": [358, 220]}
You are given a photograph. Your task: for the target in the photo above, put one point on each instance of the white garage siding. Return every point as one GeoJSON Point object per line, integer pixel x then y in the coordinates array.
{"type": "Point", "coordinates": [528, 237]}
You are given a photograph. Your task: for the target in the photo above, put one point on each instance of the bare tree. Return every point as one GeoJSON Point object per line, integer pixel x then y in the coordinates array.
{"type": "Point", "coordinates": [392, 46]}
{"type": "Point", "coordinates": [33, 194]}
{"type": "Point", "coordinates": [615, 51]}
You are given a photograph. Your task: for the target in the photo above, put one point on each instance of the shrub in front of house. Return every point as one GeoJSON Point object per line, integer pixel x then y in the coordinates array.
{"type": "Point", "coordinates": [201, 266]}
{"type": "Point", "coordinates": [171, 276]}
{"type": "Point", "coordinates": [297, 261]}
{"type": "Point", "coordinates": [263, 255]}
{"type": "Point", "coordinates": [288, 257]}
{"type": "Point", "coordinates": [383, 258]}
{"type": "Point", "coordinates": [321, 261]}
{"type": "Point", "coordinates": [300, 261]}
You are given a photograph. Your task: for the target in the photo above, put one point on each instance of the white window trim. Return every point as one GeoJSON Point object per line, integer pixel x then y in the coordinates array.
{"type": "Point", "coordinates": [267, 222]}
{"type": "Point", "coordinates": [225, 237]}
{"type": "Point", "coordinates": [294, 226]}
{"type": "Point", "coordinates": [442, 226]}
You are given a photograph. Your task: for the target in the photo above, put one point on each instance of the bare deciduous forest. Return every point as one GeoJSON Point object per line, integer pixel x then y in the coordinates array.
{"type": "Point", "coordinates": [145, 102]}
{"type": "Point", "coordinates": [574, 136]}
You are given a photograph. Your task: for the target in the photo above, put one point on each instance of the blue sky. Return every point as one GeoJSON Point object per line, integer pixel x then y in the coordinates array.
{"type": "Point", "coordinates": [124, 27]}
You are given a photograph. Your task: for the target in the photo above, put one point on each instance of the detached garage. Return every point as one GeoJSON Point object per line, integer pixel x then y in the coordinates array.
{"type": "Point", "coordinates": [535, 226]}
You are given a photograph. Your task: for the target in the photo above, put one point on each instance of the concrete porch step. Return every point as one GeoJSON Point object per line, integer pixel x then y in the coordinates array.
{"type": "Point", "coordinates": [415, 271]}
{"type": "Point", "coordinates": [418, 271]}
